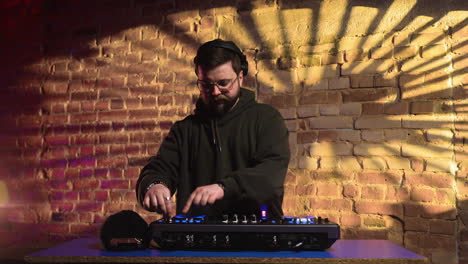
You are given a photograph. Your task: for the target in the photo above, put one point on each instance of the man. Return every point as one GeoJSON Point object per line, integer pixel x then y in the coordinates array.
{"type": "Point", "coordinates": [230, 156]}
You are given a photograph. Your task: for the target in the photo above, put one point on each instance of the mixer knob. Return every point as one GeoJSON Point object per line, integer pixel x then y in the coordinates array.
{"type": "Point", "coordinates": [274, 241]}
{"type": "Point", "coordinates": [253, 219]}
{"type": "Point", "coordinates": [235, 219]}
{"type": "Point", "coordinates": [189, 240]}
{"type": "Point", "coordinates": [227, 240]}
{"type": "Point", "coordinates": [244, 219]}
{"type": "Point", "coordinates": [319, 220]}
{"type": "Point", "coordinates": [326, 220]}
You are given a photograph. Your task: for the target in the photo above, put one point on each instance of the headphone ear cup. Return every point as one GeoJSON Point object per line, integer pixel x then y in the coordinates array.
{"type": "Point", "coordinates": [244, 64]}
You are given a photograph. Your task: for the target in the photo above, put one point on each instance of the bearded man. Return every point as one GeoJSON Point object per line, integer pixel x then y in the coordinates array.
{"type": "Point", "coordinates": [229, 157]}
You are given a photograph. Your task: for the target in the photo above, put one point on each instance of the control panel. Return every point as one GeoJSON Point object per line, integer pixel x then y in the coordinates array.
{"type": "Point", "coordinates": [244, 232]}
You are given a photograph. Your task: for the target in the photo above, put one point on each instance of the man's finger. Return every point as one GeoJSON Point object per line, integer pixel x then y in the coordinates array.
{"type": "Point", "coordinates": [170, 208]}
{"type": "Point", "coordinates": [146, 202]}
{"type": "Point", "coordinates": [197, 198]}
{"type": "Point", "coordinates": [188, 204]}
{"type": "Point", "coordinates": [162, 203]}
{"type": "Point", "coordinates": [204, 198]}
{"type": "Point", "coordinates": [212, 199]}
{"type": "Point", "coordinates": [153, 205]}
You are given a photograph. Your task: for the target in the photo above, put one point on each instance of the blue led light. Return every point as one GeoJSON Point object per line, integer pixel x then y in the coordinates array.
{"type": "Point", "coordinates": [180, 216]}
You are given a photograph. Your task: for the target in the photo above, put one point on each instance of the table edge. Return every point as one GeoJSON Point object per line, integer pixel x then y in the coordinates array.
{"type": "Point", "coordinates": [152, 259]}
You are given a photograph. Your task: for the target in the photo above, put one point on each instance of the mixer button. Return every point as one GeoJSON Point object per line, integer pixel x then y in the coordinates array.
{"type": "Point", "coordinates": [253, 219]}
{"type": "Point", "coordinates": [244, 219]}
{"type": "Point", "coordinates": [225, 219]}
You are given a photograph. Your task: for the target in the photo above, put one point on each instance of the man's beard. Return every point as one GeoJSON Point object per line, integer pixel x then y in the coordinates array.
{"type": "Point", "coordinates": [222, 105]}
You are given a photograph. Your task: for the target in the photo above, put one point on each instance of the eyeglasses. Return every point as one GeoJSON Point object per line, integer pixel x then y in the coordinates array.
{"type": "Point", "coordinates": [223, 85]}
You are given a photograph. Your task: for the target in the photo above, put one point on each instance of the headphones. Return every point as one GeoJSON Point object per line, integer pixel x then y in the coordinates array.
{"type": "Point", "coordinates": [229, 45]}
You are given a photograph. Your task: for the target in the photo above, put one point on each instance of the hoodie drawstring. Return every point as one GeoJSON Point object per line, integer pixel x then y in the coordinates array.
{"type": "Point", "coordinates": [214, 133]}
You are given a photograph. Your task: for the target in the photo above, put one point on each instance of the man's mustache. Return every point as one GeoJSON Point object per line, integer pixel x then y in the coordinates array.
{"type": "Point", "coordinates": [219, 98]}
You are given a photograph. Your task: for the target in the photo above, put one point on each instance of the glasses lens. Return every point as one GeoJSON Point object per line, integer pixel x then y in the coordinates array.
{"type": "Point", "coordinates": [223, 85]}
{"type": "Point", "coordinates": [204, 86]}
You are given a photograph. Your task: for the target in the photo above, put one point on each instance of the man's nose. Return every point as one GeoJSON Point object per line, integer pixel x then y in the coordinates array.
{"type": "Point", "coordinates": [215, 90]}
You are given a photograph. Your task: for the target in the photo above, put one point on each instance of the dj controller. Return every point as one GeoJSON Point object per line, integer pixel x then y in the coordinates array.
{"type": "Point", "coordinates": [243, 232]}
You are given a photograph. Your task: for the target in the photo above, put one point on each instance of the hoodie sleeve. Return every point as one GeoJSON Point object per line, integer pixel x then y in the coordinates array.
{"type": "Point", "coordinates": [163, 167]}
{"type": "Point", "coordinates": [263, 180]}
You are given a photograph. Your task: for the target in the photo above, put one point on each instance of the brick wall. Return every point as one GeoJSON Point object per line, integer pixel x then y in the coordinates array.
{"type": "Point", "coordinates": [373, 94]}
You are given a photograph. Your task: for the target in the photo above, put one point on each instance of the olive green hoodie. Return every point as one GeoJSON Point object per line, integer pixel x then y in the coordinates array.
{"type": "Point", "coordinates": [246, 150]}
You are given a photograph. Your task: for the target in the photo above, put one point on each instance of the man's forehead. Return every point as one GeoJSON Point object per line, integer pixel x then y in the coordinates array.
{"type": "Point", "coordinates": [225, 68]}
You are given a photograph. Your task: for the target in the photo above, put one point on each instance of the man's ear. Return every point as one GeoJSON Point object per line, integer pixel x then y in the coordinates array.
{"type": "Point", "coordinates": [241, 78]}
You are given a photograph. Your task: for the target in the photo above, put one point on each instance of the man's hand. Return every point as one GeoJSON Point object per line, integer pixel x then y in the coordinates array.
{"type": "Point", "coordinates": [158, 199]}
{"type": "Point", "coordinates": [204, 195]}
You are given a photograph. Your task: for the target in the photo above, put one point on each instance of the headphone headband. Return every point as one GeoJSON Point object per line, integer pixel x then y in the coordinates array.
{"type": "Point", "coordinates": [229, 45]}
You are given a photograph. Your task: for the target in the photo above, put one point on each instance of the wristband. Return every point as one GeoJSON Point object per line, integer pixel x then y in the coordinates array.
{"type": "Point", "coordinates": [221, 185]}
{"type": "Point", "coordinates": [153, 184]}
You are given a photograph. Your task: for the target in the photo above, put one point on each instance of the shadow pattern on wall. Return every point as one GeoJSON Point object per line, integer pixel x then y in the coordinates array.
{"type": "Point", "coordinates": [374, 96]}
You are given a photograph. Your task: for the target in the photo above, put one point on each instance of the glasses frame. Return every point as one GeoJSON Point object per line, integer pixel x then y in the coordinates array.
{"type": "Point", "coordinates": [222, 89]}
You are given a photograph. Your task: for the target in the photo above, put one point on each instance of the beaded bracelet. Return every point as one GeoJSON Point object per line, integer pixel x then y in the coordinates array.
{"type": "Point", "coordinates": [153, 184]}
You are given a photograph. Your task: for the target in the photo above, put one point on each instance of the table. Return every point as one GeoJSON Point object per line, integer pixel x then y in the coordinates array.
{"type": "Point", "coordinates": [89, 250]}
